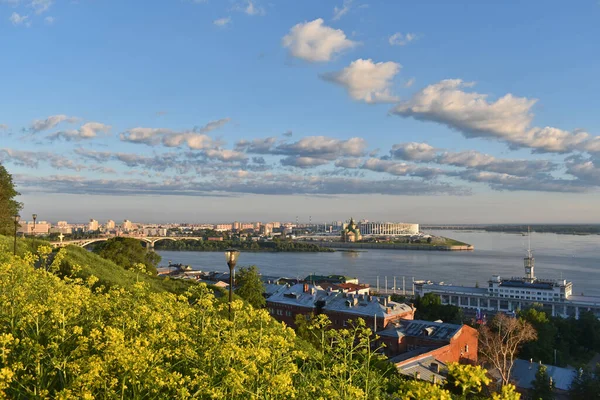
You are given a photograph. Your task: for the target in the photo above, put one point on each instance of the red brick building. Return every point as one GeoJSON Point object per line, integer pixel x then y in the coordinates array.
{"type": "Point", "coordinates": [409, 341]}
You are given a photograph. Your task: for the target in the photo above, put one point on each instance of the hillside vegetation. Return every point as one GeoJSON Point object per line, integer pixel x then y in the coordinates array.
{"type": "Point", "coordinates": [63, 335]}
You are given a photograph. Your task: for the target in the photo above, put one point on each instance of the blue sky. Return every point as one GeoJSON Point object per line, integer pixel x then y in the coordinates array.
{"type": "Point", "coordinates": [447, 111]}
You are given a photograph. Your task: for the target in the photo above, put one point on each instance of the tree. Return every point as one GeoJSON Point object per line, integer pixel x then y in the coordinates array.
{"type": "Point", "coordinates": [508, 392]}
{"type": "Point", "coordinates": [8, 205]}
{"type": "Point", "coordinates": [128, 252]}
{"type": "Point", "coordinates": [586, 384]}
{"type": "Point", "coordinates": [500, 340]}
{"type": "Point", "coordinates": [467, 379]}
{"type": "Point", "coordinates": [542, 348]}
{"type": "Point", "coordinates": [250, 286]}
{"type": "Point", "coordinates": [542, 385]}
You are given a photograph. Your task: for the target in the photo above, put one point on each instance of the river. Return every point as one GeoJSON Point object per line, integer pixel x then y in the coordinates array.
{"type": "Point", "coordinates": [575, 258]}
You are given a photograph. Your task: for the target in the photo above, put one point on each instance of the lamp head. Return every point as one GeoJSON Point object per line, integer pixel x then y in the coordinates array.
{"type": "Point", "coordinates": [231, 256]}
{"type": "Point", "coordinates": [34, 216]}
{"type": "Point", "coordinates": [17, 218]}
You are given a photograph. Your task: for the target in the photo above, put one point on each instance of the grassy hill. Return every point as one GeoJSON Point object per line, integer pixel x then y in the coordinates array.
{"type": "Point", "coordinates": [83, 264]}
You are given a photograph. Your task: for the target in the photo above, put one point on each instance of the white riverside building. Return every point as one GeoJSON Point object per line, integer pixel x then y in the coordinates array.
{"type": "Point", "coordinates": [387, 228]}
{"type": "Point", "coordinates": [513, 294]}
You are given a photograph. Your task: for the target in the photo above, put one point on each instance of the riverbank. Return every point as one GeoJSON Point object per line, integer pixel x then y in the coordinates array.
{"type": "Point", "coordinates": [393, 246]}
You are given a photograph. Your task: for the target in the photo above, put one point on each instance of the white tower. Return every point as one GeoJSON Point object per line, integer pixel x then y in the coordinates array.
{"type": "Point", "coordinates": [529, 261]}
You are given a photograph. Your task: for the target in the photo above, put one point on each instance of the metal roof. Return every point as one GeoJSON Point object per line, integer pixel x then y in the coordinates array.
{"type": "Point", "coordinates": [425, 370]}
{"type": "Point", "coordinates": [418, 328]}
{"type": "Point", "coordinates": [523, 374]}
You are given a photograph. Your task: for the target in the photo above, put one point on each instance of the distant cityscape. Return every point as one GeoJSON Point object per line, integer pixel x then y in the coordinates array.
{"type": "Point", "coordinates": [275, 228]}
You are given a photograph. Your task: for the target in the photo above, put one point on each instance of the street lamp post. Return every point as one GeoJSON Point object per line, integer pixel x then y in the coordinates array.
{"type": "Point", "coordinates": [231, 255]}
{"type": "Point", "coordinates": [34, 216]}
{"type": "Point", "coordinates": [17, 219]}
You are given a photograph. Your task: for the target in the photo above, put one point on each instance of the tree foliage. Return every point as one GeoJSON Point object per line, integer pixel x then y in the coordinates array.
{"type": "Point", "coordinates": [467, 379]}
{"type": "Point", "coordinates": [8, 205]}
{"type": "Point", "coordinates": [250, 286]}
{"type": "Point", "coordinates": [542, 385]}
{"type": "Point", "coordinates": [586, 384]}
{"type": "Point", "coordinates": [127, 252]}
{"type": "Point", "coordinates": [500, 340]}
{"type": "Point", "coordinates": [276, 245]}
{"type": "Point", "coordinates": [430, 308]}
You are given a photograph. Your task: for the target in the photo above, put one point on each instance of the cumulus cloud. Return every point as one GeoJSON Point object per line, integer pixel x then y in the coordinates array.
{"type": "Point", "coordinates": [400, 169]}
{"type": "Point", "coordinates": [225, 155]}
{"type": "Point", "coordinates": [414, 151]}
{"type": "Point", "coordinates": [32, 159]}
{"type": "Point", "coordinates": [52, 121]}
{"type": "Point", "coordinates": [348, 163]}
{"type": "Point", "coordinates": [423, 152]}
{"type": "Point", "coordinates": [315, 42]}
{"type": "Point", "coordinates": [257, 146]}
{"type": "Point", "coordinates": [222, 21]}
{"type": "Point", "coordinates": [323, 147]}
{"type": "Point", "coordinates": [401, 39]}
{"type": "Point", "coordinates": [49, 20]}
{"type": "Point", "coordinates": [303, 162]}
{"type": "Point", "coordinates": [89, 130]}
{"type": "Point", "coordinates": [508, 118]}
{"type": "Point", "coordinates": [195, 139]}
{"type": "Point", "coordinates": [367, 81]}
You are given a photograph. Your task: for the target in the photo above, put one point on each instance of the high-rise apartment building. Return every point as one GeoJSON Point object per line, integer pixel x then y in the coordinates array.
{"type": "Point", "coordinates": [93, 225]}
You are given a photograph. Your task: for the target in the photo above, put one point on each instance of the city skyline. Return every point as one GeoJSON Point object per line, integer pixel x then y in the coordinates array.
{"type": "Point", "coordinates": [254, 110]}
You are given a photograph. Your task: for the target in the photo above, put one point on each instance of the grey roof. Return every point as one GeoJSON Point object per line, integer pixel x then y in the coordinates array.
{"type": "Point", "coordinates": [523, 374]}
{"type": "Point", "coordinates": [455, 289]}
{"type": "Point", "coordinates": [295, 295]}
{"type": "Point", "coordinates": [364, 305]}
{"type": "Point", "coordinates": [271, 288]}
{"type": "Point", "coordinates": [432, 330]}
{"type": "Point", "coordinates": [425, 369]}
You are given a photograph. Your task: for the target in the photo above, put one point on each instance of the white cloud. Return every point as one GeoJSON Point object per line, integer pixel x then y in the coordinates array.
{"type": "Point", "coordinates": [409, 83]}
{"type": "Point", "coordinates": [149, 136]}
{"type": "Point", "coordinates": [339, 12]}
{"type": "Point", "coordinates": [400, 39]}
{"type": "Point", "coordinates": [225, 155]}
{"type": "Point", "coordinates": [3, 127]}
{"type": "Point", "coordinates": [17, 19]}
{"type": "Point", "coordinates": [348, 163]}
{"type": "Point", "coordinates": [400, 169]}
{"type": "Point", "coordinates": [367, 81]}
{"type": "Point", "coordinates": [41, 6]}
{"type": "Point", "coordinates": [222, 21]}
{"type": "Point", "coordinates": [312, 41]}
{"type": "Point", "coordinates": [249, 7]}
{"type": "Point", "coordinates": [323, 147]}
{"type": "Point", "coordinates": [39, 125]}
{"type": "Point", "coordinates": [414, 151]}
{"type": "Point", "coordinates": [508, 118]}
{"type": "Point", "coordinates": [49, 20]}
{"type": "Point", "coordinates": [422, 152]}
{"type": "Point", "coordinates": [303, 162]}
{"type": "Point", "coordinates": [195, 139]}
{"type": "Point", "coordinates": [87, 131]}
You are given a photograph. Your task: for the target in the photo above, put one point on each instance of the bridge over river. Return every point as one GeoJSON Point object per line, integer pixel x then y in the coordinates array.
{"type": "Point", "coordinates": [148, 240]}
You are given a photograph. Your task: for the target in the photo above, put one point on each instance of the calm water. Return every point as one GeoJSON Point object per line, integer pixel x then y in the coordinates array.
{"type": "Point", "coordinates": [576, 258]}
